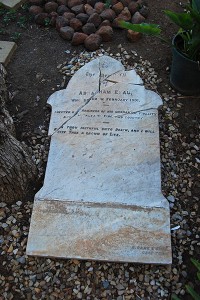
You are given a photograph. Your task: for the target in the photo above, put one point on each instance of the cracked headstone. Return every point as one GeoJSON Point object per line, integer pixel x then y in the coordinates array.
{"type": "Point", "coordinates": [101, 197]}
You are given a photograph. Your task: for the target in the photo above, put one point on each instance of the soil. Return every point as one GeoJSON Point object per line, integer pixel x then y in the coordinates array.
{"type": "Point", "coordinates": [33, 76]}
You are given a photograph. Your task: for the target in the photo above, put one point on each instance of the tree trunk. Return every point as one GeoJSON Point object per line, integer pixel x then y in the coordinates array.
{"type": "Point", "coordinates": [17, 169]}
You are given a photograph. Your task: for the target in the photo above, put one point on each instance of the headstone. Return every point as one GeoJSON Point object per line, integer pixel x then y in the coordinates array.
{"type": "Point", "coordinates": [14, 4]}
{"type": "Point", "coordinates": [102, 197]}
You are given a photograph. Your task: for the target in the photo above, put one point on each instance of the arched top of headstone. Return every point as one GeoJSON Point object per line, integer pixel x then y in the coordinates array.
{"type": "Point", "coordinates": [90, 84]}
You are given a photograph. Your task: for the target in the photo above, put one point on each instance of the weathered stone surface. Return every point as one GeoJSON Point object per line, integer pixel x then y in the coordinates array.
{"type": "Point", "coordinates": [62, 9]}
{"type": "Point", "coordinates": [89, 9]}
{"type": "Point", "coordinates": [99, 7]}
{"type": "Point", "coordinates": [118, 7]}
{"type": "Point", "coordinates": [137, 18]}
{"type": "Point", "coordinates": [82, 17]}
{"type": "Point", "coordinates": [78, 38]}
{"type": "Point", "coordinates": [78, 9]}
{"type": "Point", "coordinates": [102, 197]}
{"type": "Point", "coordinates": [72, 3]}
{"type": "Point", "coordinates": [76, 24]}
{"type": "Point", "coordinates": [93, 42]}
{"type": "Point", "coordinates": [14, 4]}
{"type": "Point", "coordinates": [69, 15]}
{"type": "Point", "coordinates": [125, 14]}
{"type": "Point", "coordinates": [106, 33]}
{"type": "Point", "coordinates": [89, 28]}
{"type": "Point", "coordinates": [108, 14]}
{"type": "Point", "coordinates": [66, 33]}
{"type": "Point", "coordinates": [105, 23]}
{"type": "Point", "coordinates": [95, 19]}
{"type": "Point", "coordinates": [133, 7]}
{"type": "Point", "coordinates": [35, 10]}
{"type": "Point", "coordinates": [133, 36]}
{"type": "Point", "coordinates": [50, 6]}
{"type": "Point", "coordinates": [6, 51]}
{"type": "Point", "coordinates": [61, 22]}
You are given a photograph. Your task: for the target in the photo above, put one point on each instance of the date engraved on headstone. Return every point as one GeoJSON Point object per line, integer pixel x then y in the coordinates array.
{"type": "Point", "coordinates": [101, 197]}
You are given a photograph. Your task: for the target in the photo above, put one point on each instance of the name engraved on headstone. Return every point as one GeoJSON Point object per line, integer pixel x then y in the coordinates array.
{"type": "Point", "coordinates": [103, 171]}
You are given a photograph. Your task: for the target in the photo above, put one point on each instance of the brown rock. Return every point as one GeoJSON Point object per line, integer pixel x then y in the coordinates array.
{"type": "Point", "coordinates": [89, 28]}
{"type": "Point", "coordinates": [72, 3]}
{"type": "Point", "coordinates": [78, 38]}
{"type": "Point", "coordinates": [62, 9]}
{"type": "Point", "coordinates": [41, 19]}
{"type": "Point", "coordinates": [144, 11]}
{"type": "Point", "coordinates": [99, 7]}
{"type": "Point", "coordinates": [126, 2]}
{"type": "Point", "coordinates": [62, 2]}
{"type": "Point", "coordinates": [125, 15]}
{"type": "Point", "coordinates": [105, 23]}
{"type": "Point", "coordinates": [95, 19]}
{"type": "Point", "coordinates": [82, 17]}
{"type": "Point", "coordinates": [108, 14]}
{"type": "Point", "coordinates": [115, 23]}
{"type": "Point", "coordinates": [133, 7]}
{"type": "Point", "coordinates": [68, 16]}
{"type": "Point", "coordinates": [76, 24]}
{"type": "Point", "coordinates": [113, 2]}
{"type": "Point", "coordinates": [89, 9]}
{"type": "Point", "coordinates": [35, 10]}
{"type": "Point", "coordinates": [66, 33]}
{"type": "Point", "coordinates": [137, 18]}
{"type": "Point", "coordinates": [92, 42]}
{"type": "Point", "coordinates": [50, 6]}
{"type": "Point", "coordinates": [53, 15]}
{"type": "Point", "coordinates": [133, 36]}
{"type": "Point", "coordinates": [118, 7]}
{"type": "Point", "coordinates": [78, 9]}
{"type": "Point", "coordinates": [106, 33]}
{"type": "Point", "coordinates": [61, 22]}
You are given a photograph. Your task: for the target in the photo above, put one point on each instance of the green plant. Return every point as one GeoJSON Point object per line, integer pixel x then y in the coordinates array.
{"type": "Point", "coordinates": [9, 16]}
{"type": "Point", "coordinates": [189, 23]}
{"type": "Point", "coordinates": [15, 36]}
{"type": "Point", "coordinates": [190, 289]}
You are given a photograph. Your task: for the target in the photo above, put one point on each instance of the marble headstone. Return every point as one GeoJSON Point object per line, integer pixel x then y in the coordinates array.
{"type": "Point", "coordinates": [101, 197]}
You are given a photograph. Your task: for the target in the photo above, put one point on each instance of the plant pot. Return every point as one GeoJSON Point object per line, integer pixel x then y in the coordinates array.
{"type": "Point", "coordinates": [185, 73]}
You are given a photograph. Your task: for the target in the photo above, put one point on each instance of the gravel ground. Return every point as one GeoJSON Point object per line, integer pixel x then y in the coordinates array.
{"type": "Point", "coordinates": [23, 277]}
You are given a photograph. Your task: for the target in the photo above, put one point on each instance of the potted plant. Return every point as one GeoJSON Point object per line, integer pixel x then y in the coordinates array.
{"type": "Point", "coordinates": [185, 70]}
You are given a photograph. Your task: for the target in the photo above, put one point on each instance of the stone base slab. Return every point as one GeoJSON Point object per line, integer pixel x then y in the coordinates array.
{"type": "Point", "coordinates": [100, 232]}
{"type": "Point", "coordinates": [14, 4]}
{"type": "Point", "coordinates": [6, 51]}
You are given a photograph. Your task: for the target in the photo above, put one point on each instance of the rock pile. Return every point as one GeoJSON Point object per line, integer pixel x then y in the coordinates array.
{"type": "Point", "coordinates": [89, 22]}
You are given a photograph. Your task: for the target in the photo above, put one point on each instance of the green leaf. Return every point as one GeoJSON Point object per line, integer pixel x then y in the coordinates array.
{"type": "Point", "coordinates": [196, 5]}
{"type": "Point", "coordinates": [183, 20]}
{"type": "Point", "coordinates": [198, 275]}
{"type": "Point", "coordinates": [174, 297]}
{"type": "Point", "coordinates": [192, 292]}
{"type": "Point", "coordinates": [150, 29]}
{"type": "Point", "coordinates": [195, 261]}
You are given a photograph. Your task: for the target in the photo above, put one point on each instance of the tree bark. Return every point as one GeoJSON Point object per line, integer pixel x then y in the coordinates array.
{"type": "Point", "coordinates": [17, 169]}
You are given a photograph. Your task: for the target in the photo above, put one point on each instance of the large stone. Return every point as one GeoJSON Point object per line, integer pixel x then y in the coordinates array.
{"type": "Point", "coordinates": [82, 17]}
{"type": "Point", "coordinates": [6, 51]}
{"type": "Point", "coordinates": [108, 14]}
{"type": "Point", "coordinates": [89, 9]}
{"type": "Point", "coordinates": [72, 3]}
{"type": "Point", "coordinates": [137, 18]}
{"type": "Point", "coordinates": [66, 33]}
{"type": "Point", "coordinates": [118, 7]}
{"type": "Point", "coordinates": [106, 33]}
{"type": "Point", "coordinates": [78, 38]}
{"type": "Point", "coordinates": [93, 42]}
{"type": "Point", "coordinates": [78, 9]}
{"type": "Point", "coordinates": [62, 9]}
{"type": "Point", "coordinates": [133, 7]}
{"type": "Point", "coordinates": [125, 14]}
{"type": "Point", "coordinates": [89, 28]}
{"type": "Point", "coordinates": [61, 22]}
{"type": "Point", "coordinates": [76, 24]}
{"type": "Point", "coordinates": [101, 197]}
{"type": "Point", "coordinates": [35, 10]}
{"type": "Point", "coordinates": [99, 7]}
{"type": "Point", "coordinates": [95, 19]}
{"type": "Point", "coordinates": [133, 36]}
{"type": "Point", "coordinates": [50, 6]}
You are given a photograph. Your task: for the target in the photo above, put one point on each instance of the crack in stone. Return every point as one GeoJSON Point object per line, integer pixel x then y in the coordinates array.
{"type": "Point", "coordinates": [134, 112]}
{"type": "Point", "coordinates": [95, 93]}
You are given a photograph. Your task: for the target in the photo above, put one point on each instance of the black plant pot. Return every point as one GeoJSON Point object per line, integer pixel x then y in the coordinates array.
{"type": "Point", "coordinates": [185, 73]}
